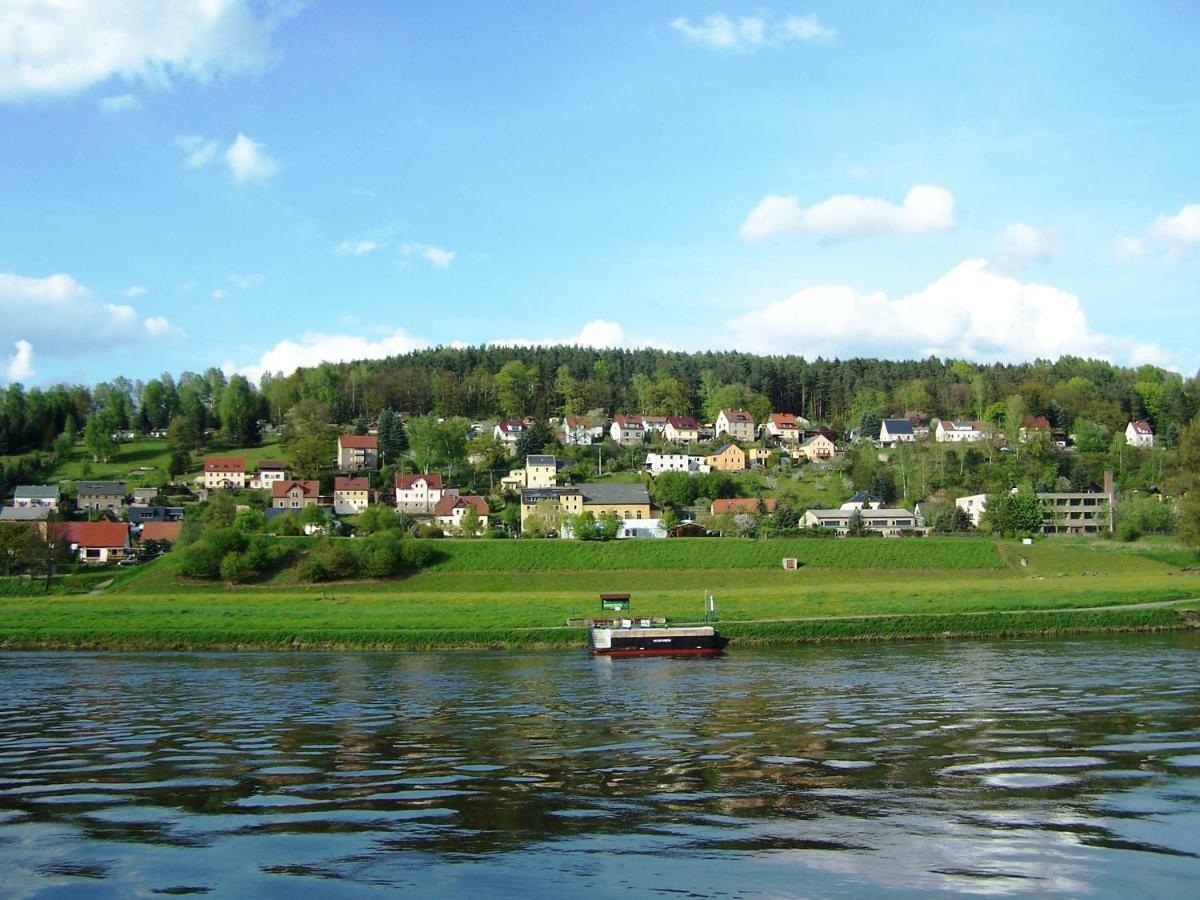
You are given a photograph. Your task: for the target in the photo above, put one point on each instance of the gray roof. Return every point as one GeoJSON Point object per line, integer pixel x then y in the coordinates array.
{"type": "Point", "coordinates": [537, 495]}
{"type": "Point", "coordinates": [36, 492]}
{"type": "Point", "coordinates": [865, 497]}
{"type": "Point", "coordinates": [898, 426]}
{"type": "Point", "coordinates": [614, 493]}
{"type": "Point", "coordinates": [867, 514]}
{"type": "Point", "coordinates": [101, 487]}
{"type": "Point", "coordinates": [24, 513]}
{"type": "Point", "coordinates": [539, 460]}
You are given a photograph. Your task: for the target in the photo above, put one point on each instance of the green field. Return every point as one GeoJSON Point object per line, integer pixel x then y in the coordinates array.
{"type": "Point", "coordinates": [520, 593]}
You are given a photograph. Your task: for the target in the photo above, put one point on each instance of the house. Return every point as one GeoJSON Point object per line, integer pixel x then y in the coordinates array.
{"type": "Point", "coordinates": [785, 427]}
{"type": "Point", "coordinates": [1139, 434]}
{"type": "Point", "coordinates": [295, 494]}
{"type": "Point", "coordinates": [641, 529]}
{"type": "Point", "coordinates": [351, 494]}
{"type": "Point", "coordinates": [657, 463]}
{"type": "Point", "coordinates": [565, 501]}
{"type": "Point", "coordinates": [165, 532]}
{"type": "Point", "coordinates": [96, 543]}
{"type": "Point", "coordinates": [509, 431]}
{"type": "Point", "coordinates": [419, 494]}
{"type": "Point", "coordinates": [1063, 512]}
{"type": "Point", "coordinates": [1032, 427]}
{"type": "Point", "coordinates": [738, 505]}
{"type": "Point", "coordinates": [269, 472]}
{"type": "Point", "coordinates": [727, 458]}
{"type": "Point", "coordinates": [757, 456]}
{"type": "Point", "coordinates": [818, 448]}
{"type": "Point", "coordinates": [863, 500]}
{"type": "Point", "coordinates": [144, 496]}
{"type": "Point", "coordinates": [356, 452]}
{"type": "Point", "coordinates": [627, 430]}
{"type": "Point", "coordinates": [540, 470]}
{"type": "Point", "coordinates": [224, 473]}
{"type": "Point", "coordinates": [626, 501]}
{"type": "Point", "coordinates": [737, 423]}
{"type": "Point", "coordinates": [681, 430]}
{"type": "Point", "coordinates": [95, 496]}
{"type": "Point", "coordinates": [40, 495]}
{"type": "Point", "coordinates": [451, 508]}
{"type": "Point", "coordinates": [577, 430]}
{"type": "Point", "coordinates": [888, 522]}
{"type": "Point", "coordinates": [896, 431]}
{"type": "Point", "coordinates": [140, 515]}
{"type": "Point", "coordinates": [653, 425]}
{"type": "Point", "coordinates": [959, 431]}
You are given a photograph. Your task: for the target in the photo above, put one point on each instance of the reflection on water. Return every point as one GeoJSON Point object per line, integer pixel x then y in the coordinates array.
{"type": "Point", "coordinates": [975, 767]}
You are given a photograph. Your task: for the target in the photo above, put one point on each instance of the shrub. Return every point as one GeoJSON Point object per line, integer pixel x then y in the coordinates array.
{"type": "Point", "coordinates": [236, 568]}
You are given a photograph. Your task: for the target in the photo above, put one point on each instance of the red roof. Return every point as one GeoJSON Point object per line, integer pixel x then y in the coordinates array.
{"type": "Point", "coordinates": [350, 483]}
{"type": "Point", "coordinates": [1040, 422]}
{"type": "Point", "coordinates": [95, 534]}
{"type": "Point", "coordinates": [161, 531]}
{"type": "Point", "coordinates": [406, 482]}
{"type": "Point", "coordinates": [281, 488]}
{"type": "Point", "coordinates": [628, 421]}
{"type": "Point", "coordinates": [737, 415]}
{"type": "Point", "coordinates": [682, 422]}
{"type": "Point", "coordinates": [784, 420]}
{"type": "Point", "coordinates": [358, 441]}
{"type": "Point", "coordinates": [1142, 428]}
{"type": "Point", "coordinates": [511, 426]}
{"type": "Point", "coordinates": [741, 505]}
{"type": "Point", "coordinates": [224, 464]}
{"type": "Point", "coordinates": [447, 504]}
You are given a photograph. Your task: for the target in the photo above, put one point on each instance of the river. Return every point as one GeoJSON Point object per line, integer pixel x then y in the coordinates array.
{"type": "Point", "coordinates": [1021, 767]}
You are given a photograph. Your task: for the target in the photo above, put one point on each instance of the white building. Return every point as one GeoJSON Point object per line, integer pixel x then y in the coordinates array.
{"type": "Point", "coordinates": [1139, 434]}
{"type": "Point", "coordinates": [657, 463]}
{"type": "Point", "coordinates": [895, 431]}
{"type": "Point", "coordinates": [959, 431]}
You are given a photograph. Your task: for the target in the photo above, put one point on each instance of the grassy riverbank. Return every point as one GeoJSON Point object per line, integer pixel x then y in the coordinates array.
{"type": "Point", "coordinates": [520, 594]}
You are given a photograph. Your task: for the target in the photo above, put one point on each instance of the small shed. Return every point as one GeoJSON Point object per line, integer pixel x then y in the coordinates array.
{"type": "Point", "coordinates": [614, 602]}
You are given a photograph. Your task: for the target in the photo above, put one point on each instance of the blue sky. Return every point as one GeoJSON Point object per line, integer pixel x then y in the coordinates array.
{"type": "Point", "coordinates": [261, 185]}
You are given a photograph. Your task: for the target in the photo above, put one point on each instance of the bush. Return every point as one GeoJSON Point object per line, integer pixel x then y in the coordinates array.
{"type": "Point", "coordinates": [236, 568]}
{"type": "Point", "coordinates": [329, 561]}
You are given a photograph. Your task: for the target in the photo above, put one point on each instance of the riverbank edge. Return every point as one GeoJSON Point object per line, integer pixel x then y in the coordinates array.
{"type": "Point", "coordinates": [951, 626]}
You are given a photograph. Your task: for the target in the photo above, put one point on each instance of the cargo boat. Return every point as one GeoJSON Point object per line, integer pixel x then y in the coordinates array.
{"type": "Point", "coordinates": [644, 637]}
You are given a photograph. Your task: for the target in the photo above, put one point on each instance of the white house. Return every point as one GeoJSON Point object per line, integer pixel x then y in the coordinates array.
{"type": "Point", "coordinates": [974, 505]}
{"type": "Point", "coordinates": [510, 431]}
{"type": "Point", "coordinates": [959, 431]}
{"type": "Point", "coordinates": [36, 495]}
{"type": "Point", "coordinates": [681, 430]}
{"type": "Point", "coordinates": [577, 430]}
{"type": "Point", "coordinates": [888, 522]}
{"type": "Point", "coordinates": [1139, 434]}
{"type": "Point", "coordinates": [419, 494]}
{"type": "Point", "coordinates": [895, 431]}
{"type": "Point", "coordinates": [627, 430]}
{"type": "Point", "coordinates": [224, 473]}
{"type": "Point", "coordinates": [657, 463]}
{"type": "Point", "coordinates": [785, 427]}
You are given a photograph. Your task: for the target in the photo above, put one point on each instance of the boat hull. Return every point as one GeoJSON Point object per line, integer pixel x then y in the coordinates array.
{"type": "Point", "coordinates": [660, 643]}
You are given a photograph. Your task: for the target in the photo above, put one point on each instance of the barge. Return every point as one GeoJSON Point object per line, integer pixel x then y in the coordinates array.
{"type": "Point", "coordinates": [642, 637]}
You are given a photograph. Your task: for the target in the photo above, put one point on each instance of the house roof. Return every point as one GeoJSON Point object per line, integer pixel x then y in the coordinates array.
{"type": "Point", "coordinates": [272, 464]}
{"type": "Point", "coordinates": [161, 531]}
{"type": "Point", "coordinates": [809, 441]}
{"type": "Point", "coordinates": [358, 442]}
{"type": "Point", "coordinates": [447, 505]}
{"type": "Point", "coordinates": [867, 514]}
{"type": "Point", "coordinates": [540, 459]}
{"type": "Point", "coordinates": [511, 426]}
{"type": "Point", "coordinates": [725, 446]}
{"type": "Point", "coordinates": [24, 513]}
{"type": "Point", "coordinates": [897, 426]}
{"type": "Point", "coordinates": [686, 422]}
{"type": "Point", "coordinates": [576, 422]}
{"type": "Point", "coordinates": [281, 488]}
{"type": "Point", "coordinates": [1039, 422]}
{"type": "Point", "coordinates": [613, 493]}
{"type": "Point", "coordinates": [783, 420]}
{"type": "Point", "coordinates": [740, 505]}
{"type": "Point", "coordinates": [537, 495]}
{"type": "Point", "coordinates": [137, 514]}
{"type": "Point", "coordinates": [36, 492]}
{"type": "Point", "coordinates": [224, 464]}
{"type": "Point", "coordinates": [630, 422]}
{"type": "Point", "coordinates": [1141, 427]}
{"type": "Point", "coordinates": [406, 482]}
{"type": "Point", "coordinates": [351, 483]}
{"type": "Point", "coordinates": [961, 425]}
{"type": "Point", "coordinates": [865, 497]}
{"type": "Point", "coordinates": [737, 415]}
{"type": "Point", "coordinates": [95, 534]}
{"type": "Point", "coordinates": [100, 487]}
{"type": "Point", "coordinates": [653, 420]}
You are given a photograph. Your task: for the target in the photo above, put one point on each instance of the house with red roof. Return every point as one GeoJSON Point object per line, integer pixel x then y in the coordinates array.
{"type": "Point", "coordinates": [419, 494]}
{"type": "Point", "coordinates": [736, 505]}
{"type": "Point", "coordinates": [627, 430]}
{"type": "Point", "coordinates": [351, 494]}
{"type": "Point", "coordinates": [95, 543]}
{"type": "Point", "coordinates": [295, 495]}
{"type": "Point", "coordinates": [737, 423]}
{"type": "Point", "coordinates": [166, 532]}
{"type": "Point", "coordinates": [1139, 434]}
{"type": "Point", "coordinates": [356, 452]}
{"type": "Point", "coordinates": [784, 427]}
{"type": "Point", "coordinates": [450, 510]}
{"type": "Point", "coordinates": [224, 473]}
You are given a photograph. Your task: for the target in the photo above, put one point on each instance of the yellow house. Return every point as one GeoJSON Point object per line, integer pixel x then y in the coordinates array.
{"type": "Point", "coordinates": [627, 501]}
{"type": "Point", "coordinates": [758, 456]}
{"type": "Point", "coordinates": [727, 458]}
{"type": "Point", "coordinates": [818, 448]}
{"type": "Point", "coordinates": [540, 471]}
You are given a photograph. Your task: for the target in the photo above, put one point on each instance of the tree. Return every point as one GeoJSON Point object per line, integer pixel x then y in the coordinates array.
{"type": "Point", "coordinates": [393, 440]}
{"type": "Point", "coordinates": [534, 439]}
{"type": "Point", "coordinates": [240, 411]}
{"type": "Point", "coordinates": [514, 387]}
{"type": "Point", "coordinates": [856, 527]}
{"type": "Point", "coordinates": [377, 518]}
{"type": "Point", "coordinates": [309, 440]}
{"type": "Point", "coordinates": [609, 525]}
{"type": "Point", "coordinates": [97, 438]}
{"type": "Point", "coordinates": [470, 524]}
{"type": "Point", "coordinates": [179, 464]}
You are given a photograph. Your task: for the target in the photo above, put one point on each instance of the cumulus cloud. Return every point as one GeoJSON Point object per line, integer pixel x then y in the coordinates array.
{"type": "Point", "coordinates": [63, 318]}
{"type": "Point", "coordinates": [119, 104]}
{"type": "Point", "coordinates": [751, 32]}
{"type": "Point", "coordinates": [971, 312]}
{"type": "Point", "coordinates": [847, 217]}
{"type": "Point", "coordinates": [20, 364]}
{"type": "Point", "coordinates": [1175, 236]}
{"type": "Point", "coordinates": [596, 333]}
{"type": "Point", "coordinates": [248, 161]}
{"type": "Point", "coordinates": [1019, 245]}
{"type": "Point", "coordinates": [356, 248]}
{"type": "Point", "coordinates": [435, 256]}
{"type": "Point", "coordinates": [314, 348]}
{"type": "Point", "coordinates": [198, 151]}
{"type": "Point", "coordinates": [57, 49]}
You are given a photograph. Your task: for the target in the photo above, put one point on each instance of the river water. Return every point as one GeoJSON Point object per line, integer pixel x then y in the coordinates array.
{"type": "Point", "coordinates": [1063, 767]}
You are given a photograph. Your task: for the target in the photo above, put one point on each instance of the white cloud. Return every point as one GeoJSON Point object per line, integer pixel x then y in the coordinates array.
{"type": "Point", "coordinates": [119, 104]}
{"type": "Point", "coordinates": [315, 347]}
{"type": "Point", "coordinates": [60, 48]}
{"type": "Point", "coordinates": [247, 161]}
{"type": "Point", "coordinates": [63, 318]}
{"type": "Point", "coordinates": [1175, 235]}
{"type": "Point", "coordinates": [1125, 247]}
{"type": "Point", "coordinates": [970, 313]}
{"type": "Point", "coordinates": [596, 333]}
{"type": "Point", "coordinates": [848, 217]}
{"type": "Point", "coordinates": [435, 256]}
{"type": "Point", "coordinates": [242, 282]}
{"type": "Point", "coordinates": [1019, 245]}
{"type": "Point", "coordinates": [355, 248]}
{"type": "Point", "coordinates": [136, 290]}
{"type": "Point", "coordinates": [20, 364]}
{"type": "Point", "coordinates": [198, 151]}
{"type": "Point", "coordinates": [218, 294]}
{"type": "Point", "coordinates": [751, 32]}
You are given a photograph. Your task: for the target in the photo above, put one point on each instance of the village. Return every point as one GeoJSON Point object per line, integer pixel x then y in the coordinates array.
{"type": "Point", "coordinates": [110, 522]}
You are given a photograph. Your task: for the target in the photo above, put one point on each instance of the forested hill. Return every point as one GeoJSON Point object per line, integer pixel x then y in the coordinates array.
{"type": "Point", "coordinates": [488, 382]}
